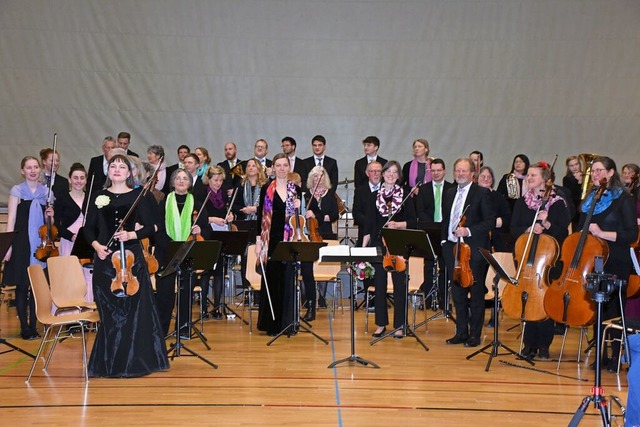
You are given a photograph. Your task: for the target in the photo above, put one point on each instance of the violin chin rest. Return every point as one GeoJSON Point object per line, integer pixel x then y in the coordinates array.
{"type": "Point", "coordinates": [119, 293]}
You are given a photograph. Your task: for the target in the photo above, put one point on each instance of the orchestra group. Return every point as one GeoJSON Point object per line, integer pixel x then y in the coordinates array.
{"type": "Point", "coordinates": [123, 206]}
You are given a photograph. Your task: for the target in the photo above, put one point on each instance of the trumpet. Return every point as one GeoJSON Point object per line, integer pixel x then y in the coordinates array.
{"type": "Point", "coordinates": [586, 160]}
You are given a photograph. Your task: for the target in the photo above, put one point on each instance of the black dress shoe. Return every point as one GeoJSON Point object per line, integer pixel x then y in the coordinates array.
{"type": "Point", "coordinates": [310, 315]}
{"type": "Point", "coordinates": [472, 342]}
{"type": "Point", "coordinates": [379, 334]}
{"type": "Point", "coordinates": [398, 336]}
{"type": "Point", "coordinates": [216, 314]}
{"type": "Point", "coordinates": [457, 339]}
{"type": "Point", "coordinates": [528, 351]}
{"type": "Point", "coordinates": [543, 354]}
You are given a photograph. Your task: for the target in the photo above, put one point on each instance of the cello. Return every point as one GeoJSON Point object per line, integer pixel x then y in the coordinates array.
{"type": "Point", "coordinates": [536, 253]}
{"type": "Point", "coordinates": [566, 301]}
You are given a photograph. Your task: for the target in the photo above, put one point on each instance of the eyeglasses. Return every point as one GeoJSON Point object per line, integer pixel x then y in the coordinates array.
{"type": "Point", "coordinates": [375, 171]}
{"type": "Point", "coordinates": [594, 171]}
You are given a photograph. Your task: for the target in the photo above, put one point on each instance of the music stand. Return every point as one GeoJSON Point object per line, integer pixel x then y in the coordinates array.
{"type": "Point", "coordinates": [6, 240]}
{"type": "Point", "coordinates": [433, 231]}
{"type": "Point", "coordinates": [406, 243]}
{"type": "Point", "coordinates": [296, 252]}
{"type": "Point", "coordinates": [196, 255]}
{"type": "Point", "coordinates": [352, 259]}
{"type": "Point", "coordinates": [233, 243]}
{"type": "Point", "coordinates": [496, 344]}
{"type": "Point", "coordinates": [250, 226]}
{"type": "Point", "coordinates": [346, 237]}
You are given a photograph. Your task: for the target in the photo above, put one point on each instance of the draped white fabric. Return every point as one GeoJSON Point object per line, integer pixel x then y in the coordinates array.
{"type": "Point", "coordinates": [501, 76]}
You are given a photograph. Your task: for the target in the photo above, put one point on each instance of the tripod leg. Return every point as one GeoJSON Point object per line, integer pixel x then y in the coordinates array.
{"type": "Point", "coordinates": [577, 416]}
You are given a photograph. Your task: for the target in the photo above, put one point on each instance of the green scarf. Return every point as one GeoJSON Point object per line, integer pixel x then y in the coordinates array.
{"type": "Point", "coordinates": [178, 224]}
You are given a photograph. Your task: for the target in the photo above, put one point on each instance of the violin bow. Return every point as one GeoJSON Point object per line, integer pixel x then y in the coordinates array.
{"type": "Point", "coordinates": [413, 190]}
{"type": "Point", "coordinates": [144, 191]}
{"type": "Point", "coordinates": [52, 174]}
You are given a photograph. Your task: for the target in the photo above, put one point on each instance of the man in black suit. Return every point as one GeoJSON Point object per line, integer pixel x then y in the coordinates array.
{"type": "Point", "coordinates": [318, 145]}
{"type": "Point", "coordinates": [199, 188]}
{"type": "Point", "coordinates": [297, 164]}
{"type": "Point", "coordinates": [182, 151]}
{"type": "Point", "coordinates": [363, 197]}
{"type": "Point", "coordinates": [475, 203]}
{"type": "Point", "coordinates": [371, 144]}
{"type": "Point", "coordinates": [98, 164]}
{"type": "Point", "coordinates": [59, 183]}
{"type": "Point", "coordinates": [429, 212]}
{"type": "Point", "coordinates": [124, 140]}
{"type": "Point", "coordinates": [230, 162]}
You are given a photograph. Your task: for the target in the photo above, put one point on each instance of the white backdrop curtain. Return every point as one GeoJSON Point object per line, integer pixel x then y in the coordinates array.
{"type": "Point", "coordinates": [502, 76]}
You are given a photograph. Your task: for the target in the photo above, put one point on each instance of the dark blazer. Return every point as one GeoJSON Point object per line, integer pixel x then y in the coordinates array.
{"type": "Point", "coordinates": [425, 202]}
{"type": "Point", "coordinates": [268, 163]}
{"type": "Point", "coordinates": [59, 187]}
{"type": "Point", "coordinates": [131, 153]}
{"type": "Point", "coordinates": [363, 198]}
{"type": "Point", "coordinates": [66, 213]}
{"type": "Point", "coordinates": [481, 217]}
{"type": "Point", "coordinates": [301, 169]}
{"type": "Point", "coordinates": [199, 190]}
{"type": "Point", "coordinates": [330, 164]}
{"type": "Point", "coordinates": [96, 170]}
{"type": "Point", "coordinates": [166, 189]}
{"type": "Point", "coordinates": [229, 181]}
{"type": "Point", "coordinates": [360, 169]}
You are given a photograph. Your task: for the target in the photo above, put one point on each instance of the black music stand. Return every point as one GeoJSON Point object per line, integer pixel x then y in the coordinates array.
{"type": "Point", "coordinates": [233, 243]}
{"type": "Point", "coordinates": [6, 240]}
{"type": "Point", "coordinates": [296, 252]}
{"type": "Point", "coordinates": [189, 255]}
{"type": "Point", "coordinates": [496, 344]}
{"type": "Point", "coordinates": [352, 259]}
{"type": "Point", "coordinates": [406, 243]}
{"type": "Point", "coordinates": [249, 225]}
{"type": "Point", "coordinates": [433, 230]}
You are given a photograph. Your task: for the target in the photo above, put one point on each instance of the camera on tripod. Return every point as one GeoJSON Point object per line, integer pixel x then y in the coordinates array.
{"type": "Point", "coordinates": [600, 282]}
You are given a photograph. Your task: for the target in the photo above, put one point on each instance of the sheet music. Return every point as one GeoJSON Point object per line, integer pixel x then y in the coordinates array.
{"type": "Point", "coordinates": [346, 251]}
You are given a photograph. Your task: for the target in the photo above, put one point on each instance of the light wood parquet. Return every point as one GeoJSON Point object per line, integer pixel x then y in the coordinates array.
{"type": "Point", "coordinates": [288, 383]}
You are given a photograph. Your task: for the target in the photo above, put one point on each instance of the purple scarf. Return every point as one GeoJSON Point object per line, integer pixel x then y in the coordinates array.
{"type": "Point", "coordinates": [36, 217]}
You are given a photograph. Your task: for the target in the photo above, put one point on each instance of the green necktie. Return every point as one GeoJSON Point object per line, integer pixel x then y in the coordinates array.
{"type": "Point", "coordinates": [437, 212]}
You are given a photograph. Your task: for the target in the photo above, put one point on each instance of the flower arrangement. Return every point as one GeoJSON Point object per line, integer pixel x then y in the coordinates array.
{"type": "Point", "coordinates": [361, 270]}
{"type": "Point", "coordinates": [102, 201]}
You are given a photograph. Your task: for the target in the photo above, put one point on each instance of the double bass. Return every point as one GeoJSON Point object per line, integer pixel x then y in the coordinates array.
{"type": "Point", "coordinates": [566, 301]}
{"type": "Point", "coordinates": [536, 253]}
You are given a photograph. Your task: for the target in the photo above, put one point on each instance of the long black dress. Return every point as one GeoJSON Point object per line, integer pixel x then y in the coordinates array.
{"type": "Point", "coordinates": [129, 341]}
{"type": "Point", "coordinates": [279, 275]}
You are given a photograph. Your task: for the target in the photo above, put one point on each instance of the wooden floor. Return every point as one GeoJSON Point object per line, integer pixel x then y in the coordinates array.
{"type": "Point", "coordinates": [289, 382]}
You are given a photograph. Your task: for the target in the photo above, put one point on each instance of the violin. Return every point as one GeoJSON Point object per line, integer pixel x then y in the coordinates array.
{"type": "Point", "coordinates": [536, 253]}
{"type": "Point", "coordinates": [194, 217]}
{"type": "Point", "coordinates": [297, 223]}
{"type": "Point", "coordinates": [125, 283]}
{"type": "Point", "coordinates": [633, 284]}
{"type": "Point", "coordinates": [462, 273]}
{"type": "Point", "coordinates": [566, 301]}
{"type": "Point", "coordinates": [48, 232]}
{"type": "Point", "coordinates": [48, 235]}
{"type": "Point", "coordinates": [393, 262]}
{"type": "Point", "coordinates": [149, 258]}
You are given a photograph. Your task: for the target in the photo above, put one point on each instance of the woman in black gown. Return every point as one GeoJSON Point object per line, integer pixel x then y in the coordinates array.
{"type": "Point", "coordinates": [278, 201]}
{"type": "Point", "coordinates": [129, 341]}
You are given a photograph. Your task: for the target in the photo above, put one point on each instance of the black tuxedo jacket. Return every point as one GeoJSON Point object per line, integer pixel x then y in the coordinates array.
{"type": "Point", "coordinates": [480, 215]}
{"type": "Point", "coordinates": [425, 202]}
{"type": "Point", "coordinates": [360, 170]}
{"type": "Point", "coordinates": [199, 190]}
{"type": "Point", "coordinates": [301, 169]}
{"type": "Point", "coordinates": [328, 163]}
{"type": "Point", "coordinates": [229, 181]}
{"type": "Point", "coordinates": [166, 189]}
{"type": "Point", "coordinates": [131, 153]}
{"type": "Point", "coordinates": [96, 170]}
{"type": "Point", "coordinates": [363, 199]}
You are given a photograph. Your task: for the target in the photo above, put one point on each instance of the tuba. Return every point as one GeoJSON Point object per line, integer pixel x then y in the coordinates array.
{"type": "Point", "coordinates": [586, 160]}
